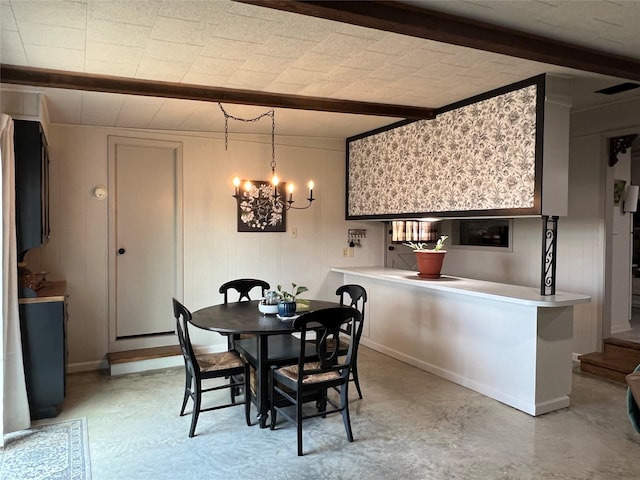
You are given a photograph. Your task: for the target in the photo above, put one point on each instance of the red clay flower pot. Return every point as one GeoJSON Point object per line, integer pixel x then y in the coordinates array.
{"type": "Point", "coordinates": [430, 263]}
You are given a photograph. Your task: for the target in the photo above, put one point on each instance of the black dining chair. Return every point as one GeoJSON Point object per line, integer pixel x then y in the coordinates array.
{"type": "Point", "coordinates": [243, 286]}
{"type": "Point", "coordinates": [208, 366]}
{"type": "Point", "coordinates": [293, 385]}
{"type": "Point", "coordinates": [354, 296]}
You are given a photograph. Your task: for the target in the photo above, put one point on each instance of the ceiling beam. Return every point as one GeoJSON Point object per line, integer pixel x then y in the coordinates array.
{"type": "Point", "coordinates": [419, 22]}
{"type": "Point", "coordinates": [40, 77]}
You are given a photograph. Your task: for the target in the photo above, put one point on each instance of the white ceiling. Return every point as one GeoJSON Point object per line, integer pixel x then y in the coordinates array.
{"type": "Point", "coordinates": [225, 44]}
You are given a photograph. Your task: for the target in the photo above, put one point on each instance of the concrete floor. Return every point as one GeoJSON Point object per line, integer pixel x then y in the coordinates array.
{"type": "Point", "coordinates": [410, 425]}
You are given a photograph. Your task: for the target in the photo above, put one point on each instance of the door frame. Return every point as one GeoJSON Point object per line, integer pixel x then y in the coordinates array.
{"type": "Point", "coordinates": [117, 345]}
{"type": "Point", "coordinates": [605, 330]}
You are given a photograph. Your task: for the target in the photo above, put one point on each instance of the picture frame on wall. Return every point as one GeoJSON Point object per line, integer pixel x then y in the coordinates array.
{"type": "Point", "coordinates": [260, 211]}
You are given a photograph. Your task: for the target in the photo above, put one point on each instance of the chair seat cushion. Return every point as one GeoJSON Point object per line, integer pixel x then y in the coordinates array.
{"type": "Point", "coordinates": [210, 362]}
{"type": "Point", "coordinates": [291, 372]}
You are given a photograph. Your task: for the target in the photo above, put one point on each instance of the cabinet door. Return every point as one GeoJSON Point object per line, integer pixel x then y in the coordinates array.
{"type": "Point", "coordinates": [42, 328]}
{"type": "Point", "coordinates": [32, 190]}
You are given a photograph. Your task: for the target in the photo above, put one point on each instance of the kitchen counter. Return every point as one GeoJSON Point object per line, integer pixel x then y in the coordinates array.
{"type": "Point", "coordinates": [507, 342]}
{"type": "Point", "coordinates": [49, 292]}
{"type": "Point", "coordinates": [468, 286]}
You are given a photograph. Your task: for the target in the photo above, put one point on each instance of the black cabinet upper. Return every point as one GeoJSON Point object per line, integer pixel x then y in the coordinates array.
{"type": "Point", "coordinates": [32, 185]}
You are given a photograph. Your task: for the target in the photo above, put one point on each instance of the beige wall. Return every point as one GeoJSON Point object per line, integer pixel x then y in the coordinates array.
{"type": "Point", "coordinates": [213, 251]}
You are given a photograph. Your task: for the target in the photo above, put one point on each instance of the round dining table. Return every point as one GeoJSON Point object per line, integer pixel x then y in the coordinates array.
{"type": "Point", "coordinates": [273, 343]}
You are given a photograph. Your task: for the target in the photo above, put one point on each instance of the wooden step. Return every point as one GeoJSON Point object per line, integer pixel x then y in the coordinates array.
{"type": "Point", "coordinates": [143, 354]}
{"type": "Point", "coordinates": [144, 359]}
{"type": "Point", "coordinates": [613, 366]}
{"type": "Point", "coordinates": [622, 347]}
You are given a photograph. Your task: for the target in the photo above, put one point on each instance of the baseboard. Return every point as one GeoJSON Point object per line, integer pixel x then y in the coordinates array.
{"type": "Point", "coordinates": [146, 365]}
{"type": "Point", "coordinates": [87, 366]}
{"type": "Point", "coordinates": [620, 327]}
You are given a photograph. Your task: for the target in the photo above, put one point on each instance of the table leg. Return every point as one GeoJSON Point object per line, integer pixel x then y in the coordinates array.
{"type": "Point", "coordinates": [262, 377]}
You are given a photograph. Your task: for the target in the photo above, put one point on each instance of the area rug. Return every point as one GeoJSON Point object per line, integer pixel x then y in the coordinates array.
{"type": "Point", "coordinates": [53, 451]}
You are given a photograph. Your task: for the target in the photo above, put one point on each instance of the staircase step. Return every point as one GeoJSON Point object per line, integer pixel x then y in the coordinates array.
{"type": "Point", "coordinates": [625, 348]}
{"type": "Point", "coordinates": [143, 354]}
{"type": "Point", "coordinates": [144, 359]}
{"type": "Point", "coordinates": [609, 365]}
{"type": "Point", "coordinates": [620, 342]}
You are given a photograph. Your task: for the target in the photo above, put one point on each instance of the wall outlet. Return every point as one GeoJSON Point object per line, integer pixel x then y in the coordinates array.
{"type": "Point", "coordinates": [345, 251]}
{"type": "Point", "coordinates": [350, 251]}
{"type": "Point", "coordinates": [294, 233]}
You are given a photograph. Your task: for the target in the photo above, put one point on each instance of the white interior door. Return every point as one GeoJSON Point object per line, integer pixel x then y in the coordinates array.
{"type": "Point", "coordinates": [145, 247]}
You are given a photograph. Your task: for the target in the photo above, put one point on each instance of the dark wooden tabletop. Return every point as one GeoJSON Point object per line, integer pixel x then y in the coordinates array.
{"type": "Point", "coordinates": [244, 317]}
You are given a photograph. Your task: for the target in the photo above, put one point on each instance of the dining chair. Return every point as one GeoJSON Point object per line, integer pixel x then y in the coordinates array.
{"type": "Point", "coordinates": [354, 296]}
{"type": "Point", "coordinates": [208, 366]}
{"type": "Point", "coordinates": [243, 286]}
{"type": "Point", "coordinates": [292, 385]}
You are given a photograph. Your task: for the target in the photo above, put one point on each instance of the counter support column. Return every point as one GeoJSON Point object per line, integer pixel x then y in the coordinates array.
{"type": "Point", "coordinates": [548, 263]}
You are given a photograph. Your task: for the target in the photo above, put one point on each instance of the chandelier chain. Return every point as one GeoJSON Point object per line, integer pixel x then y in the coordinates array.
{"type": "Point", "coordinates": [271, 113]}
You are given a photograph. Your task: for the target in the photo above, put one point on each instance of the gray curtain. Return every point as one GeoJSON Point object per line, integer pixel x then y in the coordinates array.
{"type": "Point", "coordinates": [14, 406]}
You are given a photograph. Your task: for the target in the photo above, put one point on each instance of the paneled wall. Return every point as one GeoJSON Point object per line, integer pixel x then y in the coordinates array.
{"type": "Point", "coordinates": [214, 251]}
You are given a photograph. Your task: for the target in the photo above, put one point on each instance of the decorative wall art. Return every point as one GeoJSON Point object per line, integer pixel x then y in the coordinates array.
{"type": "Point", "coordinates": [259, 211]}
{"type": "Point", "coordinates": [470, 159]}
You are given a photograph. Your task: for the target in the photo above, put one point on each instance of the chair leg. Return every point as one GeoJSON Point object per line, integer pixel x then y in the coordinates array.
{"type": "Point", "coordinates": [187, 391]}
{"type": "Point", "coordinates": [356, 380]}
{"type": "Point", "coordinates": [247, 396]}
{"type": "Point", "coordinates": [197, 399]}
{"type": "Point", "coordinates": [322, 403]}
{"type": "Point", "coordinates": [272, 408]}
{"type": "Point", "coordinates": [299, 424]}
{"type": "Point", "coordinates": [232, 390]}
{"type": "Point", "coordinates": [344, 404]}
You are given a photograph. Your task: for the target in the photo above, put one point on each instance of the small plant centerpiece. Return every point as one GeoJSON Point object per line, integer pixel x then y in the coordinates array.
{"type": "Point", "coordinates": [287, 305]}
{"type": "Point", "coordinates": [429, 260]}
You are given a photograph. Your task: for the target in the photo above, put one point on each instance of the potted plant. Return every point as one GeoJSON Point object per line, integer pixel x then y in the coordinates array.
{"type": "Point", "coordinates": [287, 304]}
{"type": "Point", "coordinates": [429, 260]}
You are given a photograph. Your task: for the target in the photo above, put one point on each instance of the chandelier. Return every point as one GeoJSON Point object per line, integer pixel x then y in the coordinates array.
{"type": "Point", "coordinates": [242, 187]}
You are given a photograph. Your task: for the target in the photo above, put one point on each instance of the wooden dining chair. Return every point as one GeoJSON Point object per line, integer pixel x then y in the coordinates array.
{"type": "Point", "coordinates": [243, 286]}
{"type": "Point", "coordinates": [226, 365]}
{"type": "Point", "coordinates": [293, 385]}
{"type": "Point", "coordinates": [354, 296]}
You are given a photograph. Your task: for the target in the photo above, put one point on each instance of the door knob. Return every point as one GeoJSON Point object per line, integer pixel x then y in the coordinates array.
{"type": "Point", "coordinates": [121, 251]}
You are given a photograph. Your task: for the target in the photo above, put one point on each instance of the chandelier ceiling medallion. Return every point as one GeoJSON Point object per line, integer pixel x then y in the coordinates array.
{"type": "Point", "coordinates": [243, 188]}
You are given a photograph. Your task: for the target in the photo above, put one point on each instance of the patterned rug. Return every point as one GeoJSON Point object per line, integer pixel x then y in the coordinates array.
{"type": "Point", "coordinates": [57, 451]}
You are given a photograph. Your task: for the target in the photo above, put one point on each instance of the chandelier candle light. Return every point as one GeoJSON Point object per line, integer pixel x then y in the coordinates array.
{"type": "Point", "coordinates": [287, 203]}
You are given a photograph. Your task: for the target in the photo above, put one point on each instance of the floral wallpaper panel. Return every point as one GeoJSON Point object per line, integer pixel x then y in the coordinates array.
{"type": "Point", "coordinates": [477, 157]}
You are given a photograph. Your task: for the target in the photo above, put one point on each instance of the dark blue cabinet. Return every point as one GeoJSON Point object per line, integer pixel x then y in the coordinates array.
{"type": "Point", "coordinates": [32, 185]}
{"type": "Point", "coordinates": [44, 352]}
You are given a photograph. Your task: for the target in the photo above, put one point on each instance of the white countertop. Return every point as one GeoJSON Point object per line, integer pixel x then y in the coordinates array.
{"type": "Point", "coordinates": [467, 286]}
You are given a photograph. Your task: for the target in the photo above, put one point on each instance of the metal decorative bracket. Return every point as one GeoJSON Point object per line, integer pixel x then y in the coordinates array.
{"type": "Point", "coordinates": [549, 245]}
{"type": "Point", "coordinates": [619, 145]}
